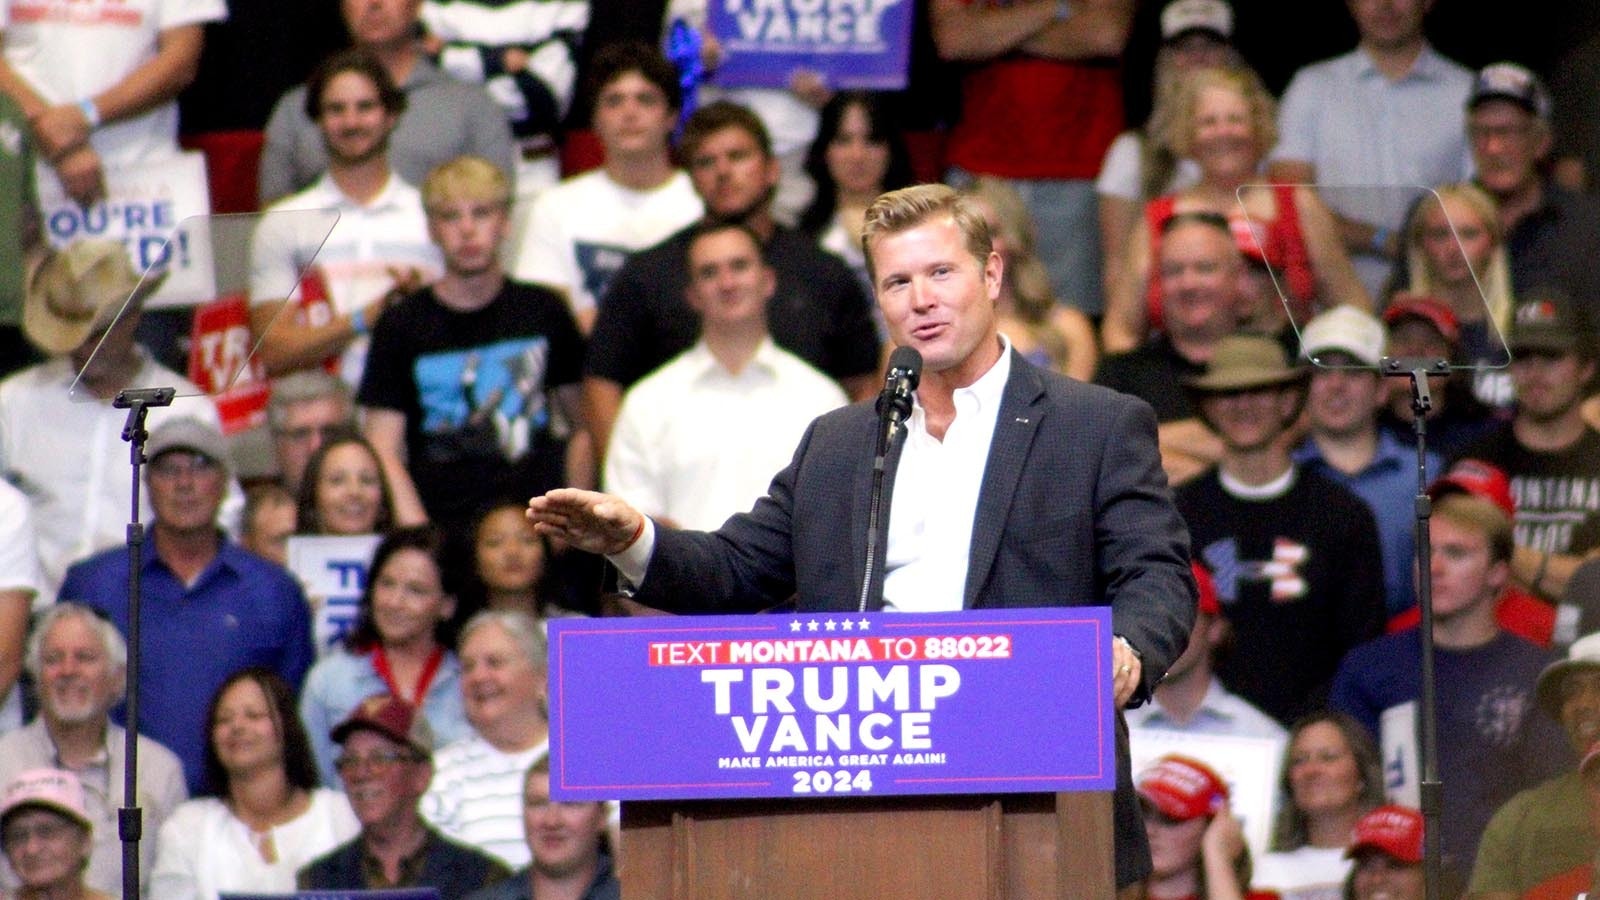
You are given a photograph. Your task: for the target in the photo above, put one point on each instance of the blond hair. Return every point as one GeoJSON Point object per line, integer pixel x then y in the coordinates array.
{"type": "Point", "coordinates": [905, 209]}
{"type": "Point", "coordinates": [1243, 81]}
{"type": "Point", "coordinates": [1031, 291]}
{"type": "Point", "coordinates": [1157, 160]}
{"type": "Point", "coordinates": [1495, 278]}
{"type": "Point", "coordinates": [470, 178]}
{"type": "Point", "coordinates": [1480, 515]}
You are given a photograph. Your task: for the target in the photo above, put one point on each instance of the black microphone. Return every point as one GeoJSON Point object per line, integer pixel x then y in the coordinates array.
{"type": "Point", "coordinates": [905, 372]}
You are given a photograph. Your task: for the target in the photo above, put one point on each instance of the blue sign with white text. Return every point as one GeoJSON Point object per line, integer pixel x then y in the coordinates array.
{"type": "Point", "coordinates": [851, 43]}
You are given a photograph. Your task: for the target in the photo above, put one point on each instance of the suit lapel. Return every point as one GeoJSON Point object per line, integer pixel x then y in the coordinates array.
{"type": "Point", "coordinates": [1014, 428]}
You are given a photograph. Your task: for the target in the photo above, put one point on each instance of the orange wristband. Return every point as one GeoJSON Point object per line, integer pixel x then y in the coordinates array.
{"type": "Point", "coordinates": [637, 533]}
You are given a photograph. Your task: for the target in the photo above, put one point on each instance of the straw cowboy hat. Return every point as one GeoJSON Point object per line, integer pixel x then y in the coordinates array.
{"type": "Point", "coordinates": [79, 291]}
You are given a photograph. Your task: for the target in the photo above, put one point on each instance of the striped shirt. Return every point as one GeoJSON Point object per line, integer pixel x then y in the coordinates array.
{"type": "Point", "coordinates": [476, 797]}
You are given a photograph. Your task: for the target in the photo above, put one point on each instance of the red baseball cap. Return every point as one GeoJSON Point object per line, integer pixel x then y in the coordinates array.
{"type": "Point", "coordinates": [1182, 788]}
{"type": "Point", "coordinates": [1435, 312]}
{"type": "Point", "coordinates": [391, 717]}
{"type": "Point", "coordinates": [1395, 831]}
{"type": "Point", "coordinates": [1477, 478]}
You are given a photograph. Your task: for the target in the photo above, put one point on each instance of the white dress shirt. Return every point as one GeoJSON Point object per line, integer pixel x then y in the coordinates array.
{"type": "Point", "coordinates": [696, 443]}
{"type": "Point", "coordinates": [936, 498]}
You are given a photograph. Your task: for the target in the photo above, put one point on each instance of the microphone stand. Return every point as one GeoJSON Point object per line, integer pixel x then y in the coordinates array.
{"type": "Point", "coordinates": [894, 407]}
{"type": "Point", "coordinates": [130, 824]}
{"type": "Point", "coordinates": [877, 522]}
{"type": "Point", "coordinates": [1429, 789]}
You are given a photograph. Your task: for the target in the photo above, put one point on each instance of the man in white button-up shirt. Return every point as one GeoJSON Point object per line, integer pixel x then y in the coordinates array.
{"type": "Point", "coordinates": [698, 439]}
{"type": "Point", "coordinates": [1016, 487]}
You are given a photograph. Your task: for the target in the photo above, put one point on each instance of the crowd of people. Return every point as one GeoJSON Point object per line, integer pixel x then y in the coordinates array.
{"type": "Point", "coordinates": [474, 330]}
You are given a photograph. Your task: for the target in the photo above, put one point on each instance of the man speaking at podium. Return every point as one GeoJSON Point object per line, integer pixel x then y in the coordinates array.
{"type": "Point", "coordinates": [1014, 487]}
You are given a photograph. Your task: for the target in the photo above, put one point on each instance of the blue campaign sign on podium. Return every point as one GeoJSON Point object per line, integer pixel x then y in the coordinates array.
{"type": "Point", "coordinates": [809, 704]}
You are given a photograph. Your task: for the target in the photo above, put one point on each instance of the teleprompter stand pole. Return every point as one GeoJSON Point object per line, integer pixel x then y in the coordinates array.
{"type": "Point", "coordinates": [130, 824]}
{"type": "Point", "coordinates": [1417, 371]}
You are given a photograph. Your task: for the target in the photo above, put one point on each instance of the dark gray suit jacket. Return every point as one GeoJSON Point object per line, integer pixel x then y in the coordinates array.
{"type": "Point", "coordinates": [1074, 511]}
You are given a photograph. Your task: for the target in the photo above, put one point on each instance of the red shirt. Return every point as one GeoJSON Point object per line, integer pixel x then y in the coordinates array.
{"type": "Point", "coordinates": [1026, 117]}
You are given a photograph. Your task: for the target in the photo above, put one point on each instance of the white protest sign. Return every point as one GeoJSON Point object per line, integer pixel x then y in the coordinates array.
{"type": "Point", "coordinates": [333, 571]}
{"type": "Point", "coordinates": [1397, 727]}
{"type": "Point", "coordinates": [142, 209]}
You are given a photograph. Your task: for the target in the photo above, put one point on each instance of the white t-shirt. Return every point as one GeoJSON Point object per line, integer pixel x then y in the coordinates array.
{"type": "Point", "coordinates": [582, 230]}
{"type": "Point", "coordinates": [1122, 172]}
{"type": "Point", "coordinates": [203, 850]}
{"type": "Point", "coordinates": [697, 443]}
{"type": "Point", "coordinates": [19, 570]}
{"type": "Point", "coordinates": [1309, 873]}
{"type": "Point", "coordinates": [356, 260]}
{"type": "Point", "coordinates": [476, 797]}
{"type": "Point", "coordinates": [69, 458]}
{"type": "Point", "coordinates": [71, 50]}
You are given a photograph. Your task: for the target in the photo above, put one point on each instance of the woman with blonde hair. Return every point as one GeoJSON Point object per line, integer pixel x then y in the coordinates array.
{"type": "Point", "coordinates": [1455, 252]}
{"type": "Point", "coordinates": [1140, 164]}
{"type": "Point", "coordinates": [1047, 333]}
{"type": "Point", "coordinates": [1225, 123]}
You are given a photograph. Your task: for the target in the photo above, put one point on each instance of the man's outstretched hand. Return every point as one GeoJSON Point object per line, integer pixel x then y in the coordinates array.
{"type": "Point", "coordinates": [591, 521]}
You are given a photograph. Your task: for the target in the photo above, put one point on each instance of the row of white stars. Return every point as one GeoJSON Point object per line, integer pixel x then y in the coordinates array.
{"type": "Point", "coordinates": [830, 625]}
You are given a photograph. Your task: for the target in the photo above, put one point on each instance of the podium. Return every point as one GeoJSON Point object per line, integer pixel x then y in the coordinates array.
{"type": "Point", "coordinates": [951, 847]}
{"type": "Point", "coordinates": [969, 757]}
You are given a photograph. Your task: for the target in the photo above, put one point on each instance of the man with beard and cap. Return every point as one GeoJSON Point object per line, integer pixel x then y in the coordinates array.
{"type": "Point", "coordinates": [1548, 450]}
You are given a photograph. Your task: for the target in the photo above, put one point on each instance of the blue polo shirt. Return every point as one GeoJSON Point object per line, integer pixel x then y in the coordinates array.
{"type": "Point", "coordinates": [241, 611]}
{"type": "Point", "coordinates": [1388, 486]}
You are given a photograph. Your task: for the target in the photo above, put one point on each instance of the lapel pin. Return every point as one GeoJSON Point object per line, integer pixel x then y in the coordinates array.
{"type": "Point", "coordinates": [1022, 419]}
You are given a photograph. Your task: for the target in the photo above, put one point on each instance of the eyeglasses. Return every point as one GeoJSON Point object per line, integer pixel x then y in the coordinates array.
{"type": "Point", "coordinates": [173, 466]}
{"type": "Point", "coordinates": [48, 831]}
{"type": "Point", "coordinates": [380, 760]}
{"type": "Point", "coordinates": [304, 433]}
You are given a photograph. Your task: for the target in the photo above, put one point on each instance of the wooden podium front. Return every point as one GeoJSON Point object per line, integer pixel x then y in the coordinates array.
{"type": "Point", "coordinates": [965, 847]}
